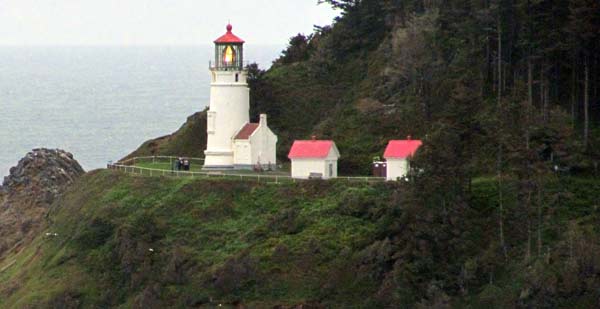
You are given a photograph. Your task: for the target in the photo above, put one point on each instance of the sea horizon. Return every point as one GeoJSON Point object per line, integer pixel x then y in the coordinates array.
{"type": "Point", "coordinates": [100, 102]}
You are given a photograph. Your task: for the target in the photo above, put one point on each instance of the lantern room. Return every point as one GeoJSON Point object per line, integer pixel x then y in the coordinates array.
{"type": "Point", "coordinates": [229, 52]}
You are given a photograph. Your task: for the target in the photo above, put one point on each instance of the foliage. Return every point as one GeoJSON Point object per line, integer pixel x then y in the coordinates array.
{"type": "Point", "coordinates": [148, 241]}
{"type": "Point", "coordinates": [387, 69]}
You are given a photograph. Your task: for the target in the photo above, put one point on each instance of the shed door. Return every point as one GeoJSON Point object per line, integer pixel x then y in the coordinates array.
{"type": "Point", "coordinates": [330, 169]}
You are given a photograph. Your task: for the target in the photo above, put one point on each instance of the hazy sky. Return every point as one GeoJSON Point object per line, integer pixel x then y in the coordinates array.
{"type": "Point", "coordinates": [152, 22]}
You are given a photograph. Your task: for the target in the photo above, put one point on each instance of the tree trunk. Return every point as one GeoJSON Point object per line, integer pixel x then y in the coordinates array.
{"type": "Point", "coordinates": [488, 62]}
{"type": "Point", "coordinates": [547, 100]}
{"type": "Point", "coordinates": [501, 217]}
{"type": "Point", "coordinates": [543, 90]}
{"type": "Point", "coordinates": [529, 107]}
{"type": "Point", "coordinates": [528, 249]}
{"type": "Point", "coordinates": [586, 104]}
{"type": "Point", "coordinates": [539, 215]}
{"type": "Point", "coordinates": [574, 93]}
{"type": "Point", "coordinates": [529, 101]}
{"type": "Point", "coordinates": [499, 30]}
{"type": "Point", "coordinates": [499, 109]}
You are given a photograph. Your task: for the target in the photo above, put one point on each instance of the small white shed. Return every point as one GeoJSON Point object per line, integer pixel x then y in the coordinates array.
{"type": "Point", "coordinates": [255, 144]}
{"type": "Point", "coordinates": [397, 154]}
{"type": "Point", "coordinates": [314, 158]}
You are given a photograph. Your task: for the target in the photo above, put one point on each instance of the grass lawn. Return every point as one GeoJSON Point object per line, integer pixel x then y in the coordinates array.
{"type": "Point", "coordinates": [161, 165]}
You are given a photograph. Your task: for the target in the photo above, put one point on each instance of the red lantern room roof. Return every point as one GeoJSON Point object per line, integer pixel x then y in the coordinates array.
{"type": "Point", "coordinates": [229, 37]}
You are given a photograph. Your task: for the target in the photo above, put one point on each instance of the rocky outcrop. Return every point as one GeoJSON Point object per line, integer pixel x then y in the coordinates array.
{"type": "Point", "coordinates": [28, 191]}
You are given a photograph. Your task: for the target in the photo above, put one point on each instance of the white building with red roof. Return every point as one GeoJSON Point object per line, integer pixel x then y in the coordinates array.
{"type": "Point", "coordinates": [314, 159]}
{"type": "Point", "coordinates": [255, 144]}
{"type": "Point", "coordinates": [397, 154]}
{"type": "Point", "coordinates": [232, 141]}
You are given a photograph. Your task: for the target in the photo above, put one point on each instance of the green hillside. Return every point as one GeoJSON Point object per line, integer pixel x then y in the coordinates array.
{"type": "Point", "coordinates": [501, 210]}
{"type": "Point", "coordinates": [159, 242]}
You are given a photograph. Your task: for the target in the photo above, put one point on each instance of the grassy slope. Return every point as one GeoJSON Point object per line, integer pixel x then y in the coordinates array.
{"type": "Point", "coordinates": [224, 241]}
{"type": "Point", "coordinates": [262, 245]}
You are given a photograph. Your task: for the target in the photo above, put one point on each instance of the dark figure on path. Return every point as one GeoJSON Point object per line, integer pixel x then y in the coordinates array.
{"type": "Point", "coordinates": [186, 165]}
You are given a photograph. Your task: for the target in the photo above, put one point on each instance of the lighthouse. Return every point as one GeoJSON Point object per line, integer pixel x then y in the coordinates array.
{"type": "Point", "coordinates": [232, 141]}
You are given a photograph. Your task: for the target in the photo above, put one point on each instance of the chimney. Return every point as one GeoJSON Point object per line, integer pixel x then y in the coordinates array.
{"type": "Point", "coordinates": [263, 120]}
{"type": "Point", "coordinates": [408, 137]}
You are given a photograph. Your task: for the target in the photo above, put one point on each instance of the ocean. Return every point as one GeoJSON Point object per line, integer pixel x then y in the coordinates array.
{"type": "Point", "coordinates": [101, 103]}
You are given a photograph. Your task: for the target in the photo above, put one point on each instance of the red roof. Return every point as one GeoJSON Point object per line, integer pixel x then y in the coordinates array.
{"type": "Point", "coordinates": [229, 37]}
{"type": "Point", "coordinates": [246, 131]}
{"type": "Point", "coordinates": [310, 149]}
{"type": "Point", "coordinates": [401, 148]}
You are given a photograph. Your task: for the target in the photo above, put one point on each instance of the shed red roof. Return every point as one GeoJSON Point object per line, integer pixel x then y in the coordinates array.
{"type": "Point", "coordinates": [246, 131]}
{"type": "Point", "coordinates": [229, 37]}
{"type": "Point", "coordinates": [310, 149]}
{"type": "Point", "coordinates": [401, 148]}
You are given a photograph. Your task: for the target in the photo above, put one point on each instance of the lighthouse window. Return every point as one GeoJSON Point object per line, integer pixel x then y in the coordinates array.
{"type": "Point", "coordinates": [228, 55]}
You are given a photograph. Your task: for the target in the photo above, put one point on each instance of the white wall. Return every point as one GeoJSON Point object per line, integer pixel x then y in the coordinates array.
{"type": "Point", "coordinates": [301, 168]}
{"type": "Point", "coordinates": [264, 146]}
{"type": "Point", "coordinates": [396, 168]}
{"type": "Point", "coordinates": [332, 158]}
{"type": "Point", "coordinates": [242, 154]}
{"type": "Point", "coordinates": [228, 112]}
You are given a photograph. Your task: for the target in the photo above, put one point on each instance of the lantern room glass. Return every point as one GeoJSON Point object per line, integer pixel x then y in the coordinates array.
{"type": "Point", "coordinates": [229, 57]}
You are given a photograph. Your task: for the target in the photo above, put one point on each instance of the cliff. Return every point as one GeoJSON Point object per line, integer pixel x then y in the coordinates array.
{"type": "Point", "coordinates": [28, 192]}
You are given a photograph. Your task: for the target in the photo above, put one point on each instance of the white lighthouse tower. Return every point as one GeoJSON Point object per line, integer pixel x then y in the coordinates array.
{"type": "Point", "coordinates": [229, 100]}
{"type": "Point", "coordinates": [232, 141]}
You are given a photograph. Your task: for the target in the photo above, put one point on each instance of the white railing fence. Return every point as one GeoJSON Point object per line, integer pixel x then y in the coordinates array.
{"type": "Point", "coordinates": [130, 166]}
{"type": "Point", "coordinates": [160, 159]}
{"type": "Point", "coordinates": [146, 171]}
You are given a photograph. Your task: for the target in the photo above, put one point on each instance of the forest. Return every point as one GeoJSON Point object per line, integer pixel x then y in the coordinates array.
{"type": "Point", "coordinates": [503, 91]}
{"type": "Point", "coordinates": [515, 81]}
